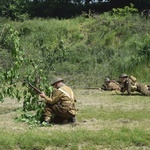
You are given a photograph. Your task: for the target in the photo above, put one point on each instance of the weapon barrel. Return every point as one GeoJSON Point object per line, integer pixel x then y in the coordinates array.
{"type": "Point", "coordinates": [93, 88]}
{"type": "Point", "coordinates": [36, 89]}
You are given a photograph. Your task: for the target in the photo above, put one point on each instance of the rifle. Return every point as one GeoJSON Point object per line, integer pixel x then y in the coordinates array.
{"type": "Point", "coordinates": [35, 88]}
{"type": "Point", "coordinates": [93, 88]}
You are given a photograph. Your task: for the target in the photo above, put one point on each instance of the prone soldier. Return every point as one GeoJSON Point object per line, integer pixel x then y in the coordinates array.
{"type": "Point", "coordinates": [110, 85]}
{"type": "Point", "coordinates": [130, 84]}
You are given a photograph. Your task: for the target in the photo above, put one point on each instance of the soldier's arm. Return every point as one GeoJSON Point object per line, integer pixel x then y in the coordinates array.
{"type": "Point", "coordinates": [104, 87]}
{"type": "Point", "coordinates": [54, 99]}
{"type": "Point", "coordinates": [122, 88]}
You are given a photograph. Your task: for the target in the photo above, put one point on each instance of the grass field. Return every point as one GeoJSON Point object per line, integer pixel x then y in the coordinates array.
{"type": "Point", "coordinates": [105, 120]}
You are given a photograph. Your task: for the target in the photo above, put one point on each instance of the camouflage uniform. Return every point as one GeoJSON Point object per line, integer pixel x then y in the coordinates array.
{"type": "Point", "coordinates": [60, 106]}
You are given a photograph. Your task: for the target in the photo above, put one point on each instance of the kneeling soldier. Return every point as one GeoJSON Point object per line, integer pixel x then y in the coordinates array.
{"type": "Point", "coordinates": [60, 107]}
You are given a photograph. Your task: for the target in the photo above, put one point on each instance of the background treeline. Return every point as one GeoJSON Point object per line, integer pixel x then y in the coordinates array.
{"type": "Point", "coordinates": [23, 9]}
{"type": "Point", "coordinates": [82, 50]}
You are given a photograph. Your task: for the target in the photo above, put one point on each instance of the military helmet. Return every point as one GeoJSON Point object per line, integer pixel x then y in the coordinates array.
{"type": "Point", "coordinates": [123, 75]}
{"type": "Point", "coordinates": [57, 79]}
{"type": "Point", "coordinates": [107, 80]}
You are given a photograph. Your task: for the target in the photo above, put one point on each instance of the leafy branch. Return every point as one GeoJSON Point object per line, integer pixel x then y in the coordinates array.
{"type": "Point", "coordinates": [11, 78]}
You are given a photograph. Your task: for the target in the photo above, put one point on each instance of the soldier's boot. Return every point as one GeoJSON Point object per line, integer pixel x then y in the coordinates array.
{"type": "Point", "coordinates": [148, 86]}
{"type": "Point", "coordinates": [46, 120]}
{"type": "Point", "coordinates": [59, 120]}
{"type": "Point", "coordinates": [72, 120]}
